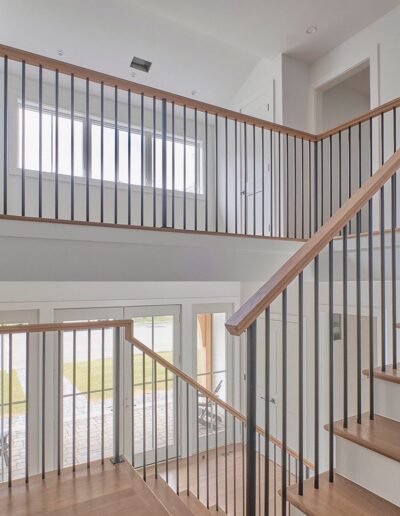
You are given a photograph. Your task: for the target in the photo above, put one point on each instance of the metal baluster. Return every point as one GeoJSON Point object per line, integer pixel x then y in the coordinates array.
{"type": "Point", "coordinates": [166, 425]}
{"type": "Point", "coordinates": [243, 473]}
{"type": "Point", "coordinates": [358, 287]}
{"type": "Point", "coordinates": [216, 456]}
{"type": "Point", "coordinates": [73, 399]}
{"type": "Point", "coordinates": [287, 186]}
{"type": "Point", "coordinates": [267, 397]}
{"type": "Point", "coordinates": [331, 384]}
{"type": "Point", "coordinates": [251, 359]}
{"type": "Point", "coordinates": [279, 183]}
{"type": "Point", "coordinates": [226, 174]}
{"type": "Point", "coordinates": [173, 161]}
{"type": "Point", "coordinates": [301, 382]}
{"type": "Point", "coordinates": [272, 194]}
{"type": "Point", "coordinates": [184, 166]}
{"type": "Point", "coordinates": [10, 407]}
{"type": "Point", "coordinates": [382, 253]}
{"type": "Point", "coordinates": [259, 474]}
{"type": "Point", "coordinates": [59, 401]}
{"type": "Point", "coordinates": [226, 463]}
{"type": "Point", "coordinates": [371, 287]}
{"type": "Point", "coordinates": [302, 188]}
{"type": "Point", "coordinates": [87, 154]}
{"type": "Point", "coordinates": [56, 136]}
{"type": "Point", "coordinates": [295, 184]}
{"type": "Point", "coordinates": [27, 386]}
{"type": "Point", "coordinates": [133, 403]}
{"type": "Point", "coordinates": [88, 396]}
{"type": "Point", "coordinates": [40, 141]}
{"type": "Point", "coordinates": [207, 458]}
{"type": "Point", "coordinates": [23, 100]}
{"type": "Point", "coordinates": [316, 369]}
{"type": "Point", "coordinates": [198, 444]}
{"type": "Point", "coordinates": [234, 465]}
{"type": "Point", "coordinates": [2, 377]}
{"type": "Point", "coordinates": [72, 147]}
{"type": "Point", "coordinates": [155, 401]}
{"type": "Point", "coordinates": [254, 179]}
{"type": "Point", "coordinates": [284, 400]}
{"type": "Point", "coordinates": [43, 405]}
{"type": "Point", "coordinates": [349, 171]}
{"type": "Point", "coordinates": [393, 187]}
{"type": "Point", "coordinates": [216, 173]}
{"type": "Point", "coordinates": [102, 395]}
{"type": "Point", "coordinates": [142, 159]}
{"type": "Point", "coordinates": [345, 330]}
{"type": "Point", "coordinates": [275, 478]}
{"type": "Point", "coordinates": [102, 152]}
{"type": "Point", "coordinates": [177, 431]}
{"type": "Point", "coordinates": [5, 137]}
{"type": "Point", "coordinates": [206, 167]}
{"type": "Point", "coordinates": [187, 440]}
{"type": "Point", "coordinates": [330, 178]}
{"type": "Point", "coordinates": [322, 182]}
{"type": "Point", "coordinates": [129, 159]}
{"type": "Point", "coordinates": [196, 166]}
{"type": "Point", "coordinates": [309, 189]}
{"type": "Point", "coordinates": [154, 163]}
{"type": "Point", "coordinates": [236, 179]}
{"type": "Point", "coordinates": [262, 182]}
{"type": "Point", "coordinates": [144, 413]}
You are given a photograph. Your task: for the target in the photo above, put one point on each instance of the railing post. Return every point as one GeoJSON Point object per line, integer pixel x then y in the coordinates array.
{"type": "Point", "coordinates": [116, 458]}
{"type": "Point", "coordinates": [251, 420]}
{"type": "Point", "coordinates": [164, 163]}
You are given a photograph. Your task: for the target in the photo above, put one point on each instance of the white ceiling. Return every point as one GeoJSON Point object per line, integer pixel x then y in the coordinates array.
{"type": "Point", "coordinates": [210, 46]}
{"type": "Point", "coordinates": [269, 27]}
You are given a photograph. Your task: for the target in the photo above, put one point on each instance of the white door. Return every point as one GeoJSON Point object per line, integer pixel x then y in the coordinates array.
{"type": "Point", "coordinates": [150, 393]}
{"type": "Point", "coordinates": [262, 106]}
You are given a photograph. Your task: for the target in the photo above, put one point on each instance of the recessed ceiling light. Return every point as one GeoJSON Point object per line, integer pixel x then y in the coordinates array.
{"type": "Point", "coordinates": [60, 52]}
{"type": "Point", "coordinates": [312, 29]}
{"type": "Point", "coordinates": [141, 64]}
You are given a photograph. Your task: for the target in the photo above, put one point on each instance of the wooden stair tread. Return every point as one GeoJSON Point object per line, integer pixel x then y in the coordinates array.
{"type": "Point", "coordinates": [380, 435]}
{"type": "Point", "coordinates": [99, 491]}
{"type": "Point", "coordinates": [173, 503]}
{"type": "Point", "coordinates": [194, 504]}
{"type": "Point", "coordinates": [390, 375]}
{"type": "Point", "coordinates": [340, 498]}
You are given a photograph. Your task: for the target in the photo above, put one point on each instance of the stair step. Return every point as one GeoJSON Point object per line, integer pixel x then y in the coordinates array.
{"type": "Point", "coordinates": [173, 503]}
{"type": "Point", "coordinates": [340, 498]}
{"type": "Point", "coordinates": [390, 375]}
{"type": "Point", "coordinates": [193, 503]}
{"type": "Point", "coordinates": [380, 435]}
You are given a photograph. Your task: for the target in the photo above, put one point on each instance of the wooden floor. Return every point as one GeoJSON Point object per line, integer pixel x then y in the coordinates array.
{"type": "Point", "coordinates": [101, 491]}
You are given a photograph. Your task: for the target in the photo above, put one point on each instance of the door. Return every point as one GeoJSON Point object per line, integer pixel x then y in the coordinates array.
{"type": "Point", "coordinates": [262, 106]}
{"type": "Point", "coordinates": [150, 393]}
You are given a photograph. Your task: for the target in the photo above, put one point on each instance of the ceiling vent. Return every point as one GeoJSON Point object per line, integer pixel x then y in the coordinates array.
{"type": "Point", "coordinates": [141, 64]}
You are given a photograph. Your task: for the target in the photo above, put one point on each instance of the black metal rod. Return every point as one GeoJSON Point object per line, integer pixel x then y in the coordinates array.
{"type": "Point", "coordinates": [279, 184]}
{"type": "Point", "coordinates": [234, 466]}
{"type": "Point", "coordinates": [309, 190]}
{"type": "Point", "coordinates": [132, 362]}
{"type": "Point", "coordinates": [87, 153]}
{"type": "Point", "coordinates": [23, 100]}
{"type": "Point", "coordinates": [254, 179]}
{"type": "Point", "coordinates": [267, 416]}
{"type": "Point", "coordinates": [184, 166]}
{"type": "Point", "coordinates": [197, 446]}
{"type": "Point", "coordinates": [56, 153]}
{"type": "Point", "coordinates": [187, 442]}
{"type": "Point", "coordinates": [284, 402]}
{"type": "Point", "coordinates": [287, 186]}
{"type": "Point", "coordinates": [349, 188]}
{"type": "Point", "coordinates": [345, 331]}
{"type": "Point", "coordinates": [393, 245]}
{"type": "Point", "coordinates": [216, 456]}
{"type": "Point", "coordinates": [43, 429]}
{"type": "Point", "coordinates": [226, 175]}
{"type": "Point", "coordinates": [196, 168]}
{"type": "Point", "coordinates": [262, 182]}
{"type": "Point", "coordinates": [177, 431]}
{"type": "Point", "coordinates": [144, 415]}
{"type": "Point", "coordinates": [10, 406]}
{"type": "Point", "coordinates": [216, 173]}
{"type": "Point", "coordinates": [173, 161]}
{"type": "Point", "coordinates": [116, 155]}
{"type": "Point", "coordinates": [301, 383]}
{"type": "Point", "coordinates": [164, 163]}
{"type": "Point", "coordinates": [331, 357]}
{"type": "Point", "coordinates": [358, 285]}
{"type": "Point", "coordinates": [322, 183]}
{"type": "Point", "coordinates": [102, 395]}
{"type": "Point", "coordinates": [72, 147]}
{"type": "Point", "coordinates": [316, 370]}
{"type": "Point", "coordinates": [88, 428]}
{"type": "Point", "coordinates": [226, 461]}
{"type": "Point", "coordinates": [206, 169]}
{"type": "Point", "coordinates": [166, 426]}
{"type": "Point", "coordinates": [59, 400]}
{"type": "Point", "coordinates": [73, 400]}
{"type": "Point", "coordinates": [271, 174]}
{"type": "Point", "coordinates": [207, 460]}
{"type": "Point", "coordinates": [251, 420]}
{"type": "Point", "coordinates": [129, 189]}
{"type": "Point", "coordinates": [295, 187]}
{"type": "Point", "coordinates": [236, 177]}
{"type": "Point", "coordinates": [302, 196]}
{"type": "Point", "coordinates": [371, 287]}
{"type": "Point", "coordinates": [155, 421]}
{"type": "Point", "coordinates": [117, 396]}
{"type": "Point", "coordinates": [27, 386]}
{"type": "Point", "coordinates": [5, 137]}
{"type": "Point", "coordinates": [41, 141]}
{"type": "Point", "coordinates": [154, 160]}
{"type": "Point", "coordinates": [382, 254]}
{"type": "Point", "coordinates": [142, 159]}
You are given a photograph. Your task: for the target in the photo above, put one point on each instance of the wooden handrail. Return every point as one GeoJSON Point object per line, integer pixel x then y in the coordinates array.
{"type": "Point", "coordinates": [123, 84]}
{"type": "Point", "coordinates": [262, 299]}
{"type": "Point", "coordinates": [127, 324]}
